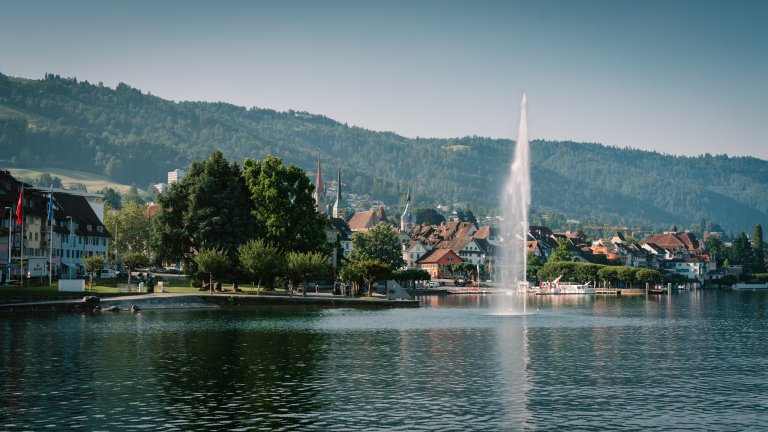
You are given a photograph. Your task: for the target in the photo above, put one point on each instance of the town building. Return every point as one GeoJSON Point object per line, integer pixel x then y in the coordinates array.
{"type": "Point", "coordinates": [59, 229]}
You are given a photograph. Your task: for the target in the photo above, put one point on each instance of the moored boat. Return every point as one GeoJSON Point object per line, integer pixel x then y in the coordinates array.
{"type": "Point", "coordinates": [556, 287]}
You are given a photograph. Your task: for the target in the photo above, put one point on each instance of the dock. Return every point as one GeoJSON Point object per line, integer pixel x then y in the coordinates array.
{"type": "Point", "coordinates": [607, 291]}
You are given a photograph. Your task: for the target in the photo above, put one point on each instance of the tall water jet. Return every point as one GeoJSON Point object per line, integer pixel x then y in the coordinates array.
{"type": "Point", "coordinates": [515, 202]}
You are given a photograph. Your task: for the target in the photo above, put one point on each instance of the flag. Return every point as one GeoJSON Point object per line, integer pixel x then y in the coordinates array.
{"type": "Point", "coordinates": [50, 205]}
{"type": "Point", "coordinates": [19, 206]}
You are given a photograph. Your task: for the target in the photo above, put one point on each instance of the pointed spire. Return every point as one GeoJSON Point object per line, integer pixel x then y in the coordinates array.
{"type": "Point", "coordinates": [319, 189]}
{"type": "Point", "coordinates": [338, 209]}
{"type": "Point", "coordinates": [406, 220]}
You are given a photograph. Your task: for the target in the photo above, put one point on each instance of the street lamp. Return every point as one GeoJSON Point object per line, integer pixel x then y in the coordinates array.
{"type": "Point", "coordinates": [149, 250]}
{"type": "Point", "coordinates": [69, 270]}
{"type": "Point", "coordinates": [10, 236]}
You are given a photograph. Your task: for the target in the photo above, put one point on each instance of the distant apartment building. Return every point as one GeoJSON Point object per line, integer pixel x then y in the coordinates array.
{"type": "Point", "coordinates": [175, 175]}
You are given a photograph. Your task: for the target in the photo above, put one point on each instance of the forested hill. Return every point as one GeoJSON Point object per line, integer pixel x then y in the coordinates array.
{"type": "Point", "coordinates": [137, 138]}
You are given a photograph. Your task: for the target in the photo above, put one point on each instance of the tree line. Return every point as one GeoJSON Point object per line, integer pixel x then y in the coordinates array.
{"type": "Point", "coordinates": [135, 138]}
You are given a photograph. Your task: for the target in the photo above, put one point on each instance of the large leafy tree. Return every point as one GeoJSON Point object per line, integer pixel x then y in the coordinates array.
{"type": "Point", "coordinates": [261, 261]}
{"type": "Point", "coordinates": [208, 209]}
{"type": "Point", "coordinates": [134, 260]}
{"type": "Point", "coordinates": [93, 264]}
{"type": "Point", "coordinates": [303, 266]}
{"type": "Point", "coordinates": [648, 275]}
{"type": "Point", "coordinates": [758, 265]}
{"type": "Point", "coordinates": [130, 228]}
{"type": "Point", "coordinates": [380, 243]}
{"type": "Point", "coordinates": [283, 206]}
{"type": "Point", "coordinates": [367, 271]}
{"type": "Point", "coordinates": [214, 262]}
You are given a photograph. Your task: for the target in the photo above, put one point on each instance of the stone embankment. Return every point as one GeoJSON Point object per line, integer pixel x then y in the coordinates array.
{"type": "Point", "coordinates": [189, 301]}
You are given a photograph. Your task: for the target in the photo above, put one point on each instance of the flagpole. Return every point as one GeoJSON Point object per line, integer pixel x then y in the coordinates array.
{"type": "Point", "coordinates": [20, 215]}
{"type": "Point", "coordinates": [50, 236]}
{"type": "Point", "coordinates": [21, 248]}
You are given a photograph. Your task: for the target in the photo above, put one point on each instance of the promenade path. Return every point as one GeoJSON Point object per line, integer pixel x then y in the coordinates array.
{"type": "Point", "coordinates": [205, 300]}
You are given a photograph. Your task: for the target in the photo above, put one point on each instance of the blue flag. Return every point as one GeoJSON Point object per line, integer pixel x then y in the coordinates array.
{"type": "Point", "coordinates": [50, 205]}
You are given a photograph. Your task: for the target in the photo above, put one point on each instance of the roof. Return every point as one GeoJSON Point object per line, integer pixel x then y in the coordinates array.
{"type": "Point", "coordinates": [82, 214]}
{"type": "Point", "coordinates": [434, 256]}
{"type": "Point", "coordinates": [456, 244]}
{"type": "Point", "coordinates": [413, 244]}
{"type": "Point", "coordinates": [361, 221]}
{"type": "Point", "coordinates": [675, 241]}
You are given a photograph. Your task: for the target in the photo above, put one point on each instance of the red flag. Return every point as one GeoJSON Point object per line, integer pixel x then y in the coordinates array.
{"type": "Point", "coordinates": [19, 207]}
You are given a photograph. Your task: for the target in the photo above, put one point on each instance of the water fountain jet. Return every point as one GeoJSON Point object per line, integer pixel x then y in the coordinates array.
{"type": "Point", "coordinates": [515, 202]}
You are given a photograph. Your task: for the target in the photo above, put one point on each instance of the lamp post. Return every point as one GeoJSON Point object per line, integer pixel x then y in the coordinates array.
{"type": "Point", "coordinates": [149, 250]}
{"type": "Point", "coordinates": [10, 239]}
{"type": "Point", "coordinates": [69, 238]}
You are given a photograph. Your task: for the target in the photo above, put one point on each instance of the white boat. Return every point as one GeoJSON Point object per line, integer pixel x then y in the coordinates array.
{"type": "Point", "coordinates": [556, 287]}
{"type": "Point", "coordinates": [749, 286]}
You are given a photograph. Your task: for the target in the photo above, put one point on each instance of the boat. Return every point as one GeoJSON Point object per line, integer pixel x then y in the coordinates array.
{"type": "Point", "coordinates": [556, 287]}
{"type": "Point", "coordinates": [473, 290]}
{"type": "Point", "coordinates": [749, 286]}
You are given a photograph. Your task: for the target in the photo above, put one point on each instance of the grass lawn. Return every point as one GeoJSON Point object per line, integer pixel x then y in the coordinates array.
{"type": "Point", "coordinates": [37, 288]}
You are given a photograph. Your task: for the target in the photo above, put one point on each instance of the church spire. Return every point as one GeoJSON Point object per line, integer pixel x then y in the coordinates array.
{"type": "Point", "coordinates": [320, 204]}
{"type": "Point", "coordinates": [338, 207]}
{"type": "Point", "coordinates": [406, 220]}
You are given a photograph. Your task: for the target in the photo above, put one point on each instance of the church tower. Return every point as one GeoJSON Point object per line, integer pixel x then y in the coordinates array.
{"type": "Point", "coordinates": [339, 211]}
{"type": "Point", "coordinates": [320, 198]}
{"type": "Point", "coordinates": [407, 220]}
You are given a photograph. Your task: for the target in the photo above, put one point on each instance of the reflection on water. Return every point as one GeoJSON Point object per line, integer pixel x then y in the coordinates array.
{"type": "Point", "coordinates": [690, 361]}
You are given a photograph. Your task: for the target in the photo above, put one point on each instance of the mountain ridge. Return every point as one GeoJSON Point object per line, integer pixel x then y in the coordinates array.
{"type": "Point", "coordinates": [135, 138]}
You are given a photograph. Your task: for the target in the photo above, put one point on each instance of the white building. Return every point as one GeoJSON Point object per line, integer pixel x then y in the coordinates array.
{"type": "Point", "coordinates": [175, 175]}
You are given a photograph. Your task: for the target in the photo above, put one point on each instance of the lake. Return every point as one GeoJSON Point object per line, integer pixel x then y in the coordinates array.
{"type": "Point", "coordinates": [692, 361]}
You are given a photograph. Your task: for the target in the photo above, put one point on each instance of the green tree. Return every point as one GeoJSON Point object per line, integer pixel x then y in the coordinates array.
{"type": "Point", "coordinates": [627, 274]}
{"type": "Point", "coordinates": [352, 272]}
{"type": "Point", "coordinates": [741, 253]}
{"type": "Point", "coordinates": [214, 262]}
{"type": "Point", "coordinates": [261, 260]}
{"type": "Point", "coordinates": [78, 187]}
{"type": "Point", "coordinates": [134, 260]}
{"type": "Point", "coordinates": [47, 180]}
{"type": "Point", "coordinates": [608, 274]}
{"type": "Point", "coordinates": [306, 265]}
{"type": "Point", "coordinates": [428, 216]}
{"type": "Point", "coordinates": [93, 264]}
{"type": "Point", "coordinates": [373, 270]}
{"type": "Point", "coordinates": [130, 229]}
{"type": "Point", "coordinates": [208, 209]}
{"type": "Point", "coordinates": [112, 198]}
{"type": "Point", "coordinates": [648, 276]}
{"type": "Point", "coordinates": [283, 206]}
{"type": "Point", "coordinates": [716, 248]}
{"type": "Point", "coordinates": [533, 264]}
{"type": "Point", "coordinates": [758, 265]}
{"type": "Point", "coordinates": [380, 243]}
{"type": "Point", "coordinates": [408, 277]}
{"type": "Point", "coordinates": [563, 252]}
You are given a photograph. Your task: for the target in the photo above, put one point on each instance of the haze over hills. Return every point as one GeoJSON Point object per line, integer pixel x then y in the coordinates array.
{"type": "Point", "coordinates": [135, 138]}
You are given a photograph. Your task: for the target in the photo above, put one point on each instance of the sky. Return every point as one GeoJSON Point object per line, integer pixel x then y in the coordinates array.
{"type": "Point", "coordinates": [684, 77]}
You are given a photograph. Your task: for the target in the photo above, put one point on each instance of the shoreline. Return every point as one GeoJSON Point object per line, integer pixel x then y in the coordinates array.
{"type": "Point", "coordinates": [198, 301]}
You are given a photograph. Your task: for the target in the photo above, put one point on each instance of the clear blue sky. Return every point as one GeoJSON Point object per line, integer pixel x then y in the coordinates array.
{"type": "Point", "coordinates": [676, 76]}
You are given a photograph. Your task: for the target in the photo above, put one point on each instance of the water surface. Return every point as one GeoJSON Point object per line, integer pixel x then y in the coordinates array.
{"type": "Point", "coordinates": [695, 361]}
